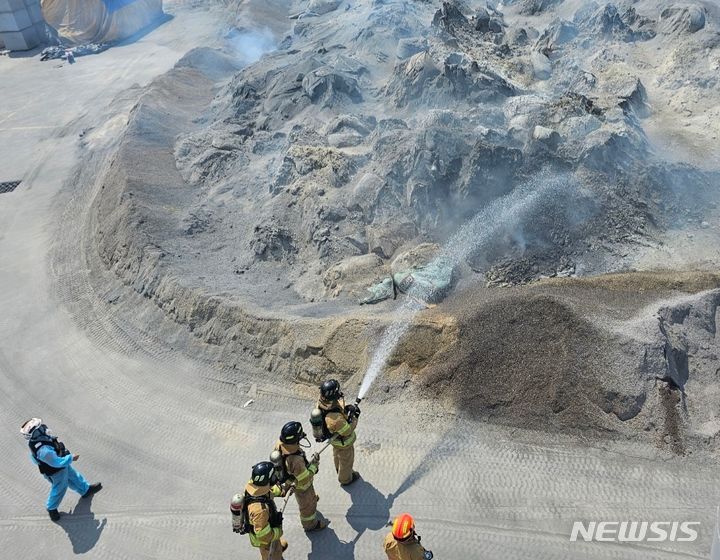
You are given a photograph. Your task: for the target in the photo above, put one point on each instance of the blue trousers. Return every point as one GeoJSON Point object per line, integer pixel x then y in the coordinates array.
{"type": "Point", "coordinates": [60, 482]}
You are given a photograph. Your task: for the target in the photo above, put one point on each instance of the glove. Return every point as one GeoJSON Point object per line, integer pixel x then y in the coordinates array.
{"type": "Point", "coordinates": [277, 491]}
{"type": "Point", "coordinates": [352, 410]}
{"type": "Point", "coordinates": [428, 555]}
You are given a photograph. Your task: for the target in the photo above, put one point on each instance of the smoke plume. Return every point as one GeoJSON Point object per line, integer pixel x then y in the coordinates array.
{"type": "Point", "coordinates": [249, 45]}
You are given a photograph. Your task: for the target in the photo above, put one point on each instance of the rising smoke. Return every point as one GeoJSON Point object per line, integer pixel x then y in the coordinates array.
{"type": "Point", "coordinates": [249, 45]}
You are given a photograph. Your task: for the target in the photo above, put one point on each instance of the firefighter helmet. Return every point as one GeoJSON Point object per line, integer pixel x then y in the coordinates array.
{"type": "Point", "coordinates": [403, 527]}
{"type": "Point", "coordinates": [330, 390]}
{"type": "Point", "coordinates": [292, 433]}
{"type": "Point", "coordinates": [263, 473]}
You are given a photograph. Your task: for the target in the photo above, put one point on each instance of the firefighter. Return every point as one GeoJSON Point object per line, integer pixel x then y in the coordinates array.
{"type": "Point", "coordinates": [298, 471]}
{"type": "Point", "coordinates": [402, 543]}
{"type": "Point", "coordinates": [260, 517]}
{"type": "Point", "coordinates": [339, 423]}
{"type": "Point", "coordinates": [55, 463]}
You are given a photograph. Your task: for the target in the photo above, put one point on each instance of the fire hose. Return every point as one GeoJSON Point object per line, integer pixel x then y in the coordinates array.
{"type": "Point", "coordinates": [315, 457]}
{"type": "Point", "coordinates": [274, 544]}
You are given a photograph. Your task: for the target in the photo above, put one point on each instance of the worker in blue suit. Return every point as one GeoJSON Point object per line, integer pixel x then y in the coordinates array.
{"type": "Point", "coordinates": [55, 463]}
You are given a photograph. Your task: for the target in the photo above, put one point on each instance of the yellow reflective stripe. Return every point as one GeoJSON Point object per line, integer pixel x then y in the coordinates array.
{"type": "Point", "coordinates": [254, 541]}
{"type": "Point", "coordinates": [303, 475]}
{"type": "Point", "coordinates": [347, 443]}
{"type": "Point", "coordinates": [264, 531]}
{"type": "Point", "coordinates": [344, 430]}
{"type": "Point", "coordinates": [309, 517]}
{"type": "Point", "coordinates": [300, 485]}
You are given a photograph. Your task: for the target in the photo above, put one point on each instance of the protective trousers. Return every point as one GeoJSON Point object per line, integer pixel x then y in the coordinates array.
{"type": "Point", "coordinates": [307, 504]}
{"type": "Point", "coordinates": [60, 482]}
{"type": "Point", "coordinates": [277, 551]}
{"type": "Point", "coordinates": [344, 459]}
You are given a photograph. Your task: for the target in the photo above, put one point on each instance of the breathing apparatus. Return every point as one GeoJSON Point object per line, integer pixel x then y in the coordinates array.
{"type": "Point", "coordinates": [317, 421]}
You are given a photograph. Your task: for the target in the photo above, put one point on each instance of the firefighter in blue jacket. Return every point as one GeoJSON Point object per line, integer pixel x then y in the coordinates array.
{"type": "Point", "coordinates": [55, 463]}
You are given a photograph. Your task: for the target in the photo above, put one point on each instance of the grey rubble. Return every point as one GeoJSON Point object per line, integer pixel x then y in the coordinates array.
{"type": "Point", "coordinates": [277, 196]}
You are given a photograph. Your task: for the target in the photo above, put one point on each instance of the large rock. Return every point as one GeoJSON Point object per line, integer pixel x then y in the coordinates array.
{"type": "Point", "coordinates": [410, 46]}
{"type": "Point", "coordinates": [364, 194]}
{"type": "Point", "coordinates": [449, 18]}
{"type": "Point", "coordinates": [609, 23]}
{"type": "Point", "coordinates": [682, 19]}
{"type": "Point", "coordinates": [353, 273]}
{"type": "Point", "coordinates": [384, 239]}
{"type": "Point", "coordinates": [272, 242]}
{"type": "Point", "coordinates": [534, 7]}
{"type": "Point", "coordinates": [349, 130]}
{"type": "Point", "coordinates": [547, 137]}
{"type": "Point", "coordinates": [485, 22]}
{"type": "Point", "coordinates": [557, 34]}
{"type": "Point", "coordinates": [418, 256]}
{"type": "Point", "coordinates": [633, 96]}
{"type": "Point", "coordinates": [542, 69]}
{"type": "Point", "coordinates": [359, 124]}
{"type": "Point", "coordinates": [518, 37]}
{"type": "Point", "coordinates": [321, 7]}
{"type": "Point", "coordinates": [575, 129]}
{"type": "Point", "coordinates": [327, 87]}
{"type": "Point", "coordinates": [411, 78]}
{"type": "Point", "coordinates": [421, 80]}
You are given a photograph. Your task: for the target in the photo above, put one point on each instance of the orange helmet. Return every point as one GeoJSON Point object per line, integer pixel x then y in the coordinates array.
{"type": "Point", "coordinates": [403, 526]}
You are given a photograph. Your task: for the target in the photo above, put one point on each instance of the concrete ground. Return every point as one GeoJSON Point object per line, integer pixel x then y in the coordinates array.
{"type": "Point", "coordinates": [171, 446]}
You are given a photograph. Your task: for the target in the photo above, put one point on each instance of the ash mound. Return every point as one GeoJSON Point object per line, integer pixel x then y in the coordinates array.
{"type": "Point", "coordinates": [379, 126]}
{"type": "Point", "coordinates": [255, 207]}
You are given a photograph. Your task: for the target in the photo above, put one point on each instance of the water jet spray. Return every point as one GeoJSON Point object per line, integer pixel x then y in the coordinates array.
{"type": "Point", "coordinates": [475, 235]}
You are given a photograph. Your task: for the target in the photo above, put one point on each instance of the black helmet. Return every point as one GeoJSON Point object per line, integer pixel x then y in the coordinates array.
{"type": "Point", "coordinates": [330, 390]}
{"type": "Point", "coordinates": [292, 433]}
{"type": "Point", "coordinates": [263, 473]}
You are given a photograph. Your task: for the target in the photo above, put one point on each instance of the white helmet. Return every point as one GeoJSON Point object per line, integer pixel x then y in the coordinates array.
{"type": "Point", "coordinates": [30, 426]}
